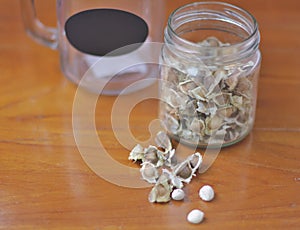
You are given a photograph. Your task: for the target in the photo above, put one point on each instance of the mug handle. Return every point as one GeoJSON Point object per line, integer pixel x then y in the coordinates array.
{"type": "Point", "coordinates": [42, 34]}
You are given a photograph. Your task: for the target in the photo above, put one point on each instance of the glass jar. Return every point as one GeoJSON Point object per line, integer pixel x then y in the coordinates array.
{"type": "Point", "coordinates": [209, 71]}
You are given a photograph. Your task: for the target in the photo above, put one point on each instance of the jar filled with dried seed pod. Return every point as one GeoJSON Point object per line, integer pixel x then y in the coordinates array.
{"type": "Point", "coordinates": [209, 71]}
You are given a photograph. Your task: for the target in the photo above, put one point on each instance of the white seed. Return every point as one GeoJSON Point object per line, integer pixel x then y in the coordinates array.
{"type": "Point", "coordinates": [178, 194]}
{"type": "Point", "coordinates": [206, 193]}
{"type": "Point", "coordinates": [195, 216]}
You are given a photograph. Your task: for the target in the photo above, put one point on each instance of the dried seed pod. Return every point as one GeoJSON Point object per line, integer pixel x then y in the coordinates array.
{"type": "Point", "coordinates": [226, 112]}
{"type": "Point", "coordinates": [241, 119]}
{"type": "Point", "coordinates": [149, 172]}
{"type": "Point", "coordinates": [199, 93]}
{"type": "Point", "coordinates": [222, 99]}
{"type": "Point", "coordinates": [219, 75]}
{"type": "Point", "coordinates": [187, 86]}
{"type": "Point", "coordinates": [197, 126]}
{"type": "Point", "coordinates": [206, 108]}
{"type": "Point", "coordinates": [233, 134]}
{"type": "Point", "coordinates": [153, 155]}
{"type": "Point", "coordinates": [195, 161]}
{"type": "Point", "coordinates": [213, 124]}
{"type": "Point", "coordinates": [237, 101]}
{"type": "Point", "coordinates": [187, 169]}
{"type": "Point", "coordinates": [213, 85]}
{"type": "Point", "coordinates": [137, 153]}
{"type": "Point", "coordinates": [161, 192]}
{"type": "Point", "coordinates": [184, 171]}
{"type": "Point", "coordinates": [232, 81]}
{"type": "Point", "coordinates": [243, 87]}
{"type": "Point", "coordinates": [171, 123]}
{"type": "Point", "coordinates": [188, 109]}
{"type": "Point", "coordinates": [174, 75]}
{"type": "Point", "coordinates": [202, 107]}
{"type": "Point", "coordinates": [219, 135]}
{"type": "Point", "coordinates": [173, 98]}
{"type": "Point", "coordinates": [202, 73]}
{"type": "Point", "coordinates": [174, 180]}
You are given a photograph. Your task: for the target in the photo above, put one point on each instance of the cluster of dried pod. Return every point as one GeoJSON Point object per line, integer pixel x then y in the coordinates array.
{"type": "Point", "coordinates": [201, 101]}
{"type": "Point", "coordinates": [159, 166]}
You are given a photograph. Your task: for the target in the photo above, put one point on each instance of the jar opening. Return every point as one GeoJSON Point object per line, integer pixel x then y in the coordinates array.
{"type": "Point", "coordinates": [195, 22]}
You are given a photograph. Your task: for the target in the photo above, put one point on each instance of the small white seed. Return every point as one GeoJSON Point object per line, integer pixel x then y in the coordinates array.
{"type": "Point", "coordinates": [206, 193]}
{"type": "Point", "coordinates": [178, 194]}
{"type": "Point", "coordinates": [195, 216]}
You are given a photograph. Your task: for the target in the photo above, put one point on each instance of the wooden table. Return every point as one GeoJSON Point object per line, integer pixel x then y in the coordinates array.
{"type": "Point", "coordinates": [45, 183]}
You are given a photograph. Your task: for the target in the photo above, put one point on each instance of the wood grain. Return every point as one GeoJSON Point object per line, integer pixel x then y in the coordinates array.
{"type": "Point", "coordinates": [45, 184]}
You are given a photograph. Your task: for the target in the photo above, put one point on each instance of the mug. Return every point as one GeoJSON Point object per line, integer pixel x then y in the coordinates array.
{"type": "Point", "coordinates": [103, 45]}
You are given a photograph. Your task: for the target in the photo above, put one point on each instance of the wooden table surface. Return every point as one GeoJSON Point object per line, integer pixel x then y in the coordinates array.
{"type": "Point", "coordinates": [45, 183]}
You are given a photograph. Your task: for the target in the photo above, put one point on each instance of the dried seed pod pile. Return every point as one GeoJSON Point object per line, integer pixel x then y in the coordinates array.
{"type": "Point", "coordinates": [160, 167]}
{"type": "Point", "coordinates": [200, 101]}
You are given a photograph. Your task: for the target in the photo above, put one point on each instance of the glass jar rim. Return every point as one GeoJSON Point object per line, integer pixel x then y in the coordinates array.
{"type": "Point", "coordinates": [254, 35]}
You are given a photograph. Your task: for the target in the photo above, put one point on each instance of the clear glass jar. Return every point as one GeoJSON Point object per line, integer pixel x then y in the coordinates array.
{"type": "Point", "coordinates": [209, 71]}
